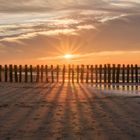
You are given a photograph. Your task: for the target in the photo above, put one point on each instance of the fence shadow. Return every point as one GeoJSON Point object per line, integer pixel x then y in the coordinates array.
{"type": "Point", "coordinates": [69, 111]}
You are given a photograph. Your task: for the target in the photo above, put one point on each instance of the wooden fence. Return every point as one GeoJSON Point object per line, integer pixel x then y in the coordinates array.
{"type": "Point", "coordinates": [99, 74]}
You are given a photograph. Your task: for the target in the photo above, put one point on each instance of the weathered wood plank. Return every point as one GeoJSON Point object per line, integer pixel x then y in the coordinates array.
{"type": "Point", "coordinates": [16, 75]}
{"type": "Point", "coordinates": [31, 73]}
{"type": "Point", "coordinates": [73, 74]}
{"type": "Point", "coordinates": [52, 73]}
{"type": "Point", "coordinates": [0, 73]}
{"type": "Point", "coordinates": [57, 73]}
{"type": "Point", "coordinates": [78, 72]}
{"type": "Point", "coordinates": [42, 73]}
{"type": "Point", "coordinates": [6, 73]}
{"type": "Point", "coordinates": [11, 73]}
{"type": "Point", "coordinates": [20, 73]}
{"type": "Point", "coordinates": [87, 75]}
{"type": "Point", "coordinates": [26, 73]}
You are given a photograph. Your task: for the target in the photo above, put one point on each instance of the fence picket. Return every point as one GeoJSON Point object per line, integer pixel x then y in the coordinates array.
{"type": "Point", "coordinates": [38, 74]}
{"type": "Point", "coordinates": [136, 74]}
{"type": "Point", "coordinates": [132, 74]}
{"type": "Point", "coordinates": [63, 73]}
{"type": "Point", "coordinates": [91, 73]}
{"type": "Point", "coordinates": [31, 73]}
{"type": "Point", "coordinates": [123, 74]}
{"type": "Point", "coordinates": [69, 73]}
{"type": "Point", "coordinates": [118, 74]}
{"type": "Point", "coordinates": [57, 71]}
{"type": "Point", "coordinates": [73, 74]}
{"type": "Point", "coordinates": [96, 73]}
{"type": "Point", "coordinates": [42, 73]}
{"type": "Point", "coordinates": [46, 73]}
{"type": "Point", "coordinates": [82, 73]}
{"type": "Point", "coordinates": [6, 72]}
{"type": "Point", "coordinates": [105, 73]}
{"type": "Point", "coordinates": [52, 73]}
{"type": "Point", "coordinates": [109, 73]}
{"type": "Point", "coordinates": [128, 73]}
{"type": "Point", "coordinates": [114, 73]}
{"type": "Point", "coordinates": [0, 73]}
{"type": "Point", "coordinates": [16, 75]}
{"type": "Point", "coordinates": [87, 76]}
{"type": "Point", "coordinates": [26, 73]}
{"type": "Point", "coordinates": [11, 73]}
{"type": "Point", "coordinates": [78, 74]}
{"type": "Point", "coordinates": [20, 73]}
{"type": "Point", "coordinates": [100, 74]}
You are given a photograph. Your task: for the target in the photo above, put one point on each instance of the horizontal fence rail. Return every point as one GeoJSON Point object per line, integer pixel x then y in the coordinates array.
{"type": "Point", "coordinates": [99, 74]}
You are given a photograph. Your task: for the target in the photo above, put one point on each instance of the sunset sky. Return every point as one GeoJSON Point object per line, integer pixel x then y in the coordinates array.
{"type": "Point", "coordinates": [69, 31]}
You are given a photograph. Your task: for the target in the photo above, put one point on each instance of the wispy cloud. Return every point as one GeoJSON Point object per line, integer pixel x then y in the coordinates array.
{"type": "Point", "coordinates": [110, 17]}
{"type": "Point", "coordinates": [47, 5]}
{"type": "Point", "coordinates": [33, 29]}
{"type": "Point", "coordinates": [88, 27]}
{"type": "Point", "coordinates": [23, 26]}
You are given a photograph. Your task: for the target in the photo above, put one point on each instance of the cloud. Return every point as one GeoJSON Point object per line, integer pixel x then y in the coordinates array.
{"type": "Point", "coordinates": [24, 6]}
{"type": "Point", "coordinates": [105, 31]}
{"type": "Point", "coordinates": [47, 5]}
{"type": "Point", "coordinates": [20, 25]}
{"type": "Point", "coordinates": [33, 29]}
{"type": "Point", "coordinates": [88, 27]}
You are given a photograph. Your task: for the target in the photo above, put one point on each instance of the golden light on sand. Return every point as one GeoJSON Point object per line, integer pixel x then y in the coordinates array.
{"type": "Point", "coordinates": [68, 56]}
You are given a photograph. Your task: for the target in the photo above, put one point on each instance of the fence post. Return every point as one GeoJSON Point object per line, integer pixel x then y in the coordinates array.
{"type": "Point", "coordinates": [118, 74]}
{"type": "Point", "coordinates": [20, 73]}
{"type": "Point", "coordinates": [132, 74]}
{"type": "Point", "coordinates": [105, 73]}
{"type": "Point", "coordinates": [69, 73]}
{"type": "Point", "coordinates": [63, 73]}
{"type": "Point", "coordinates": [42, 73]}
{"type": "Point", "coordinates": [136, 74]}
{"type": "Point", "coordinates": [15, 71]}
{"type": "Point", "coordinates": [128, 73]}
{"type": "Point", "coordinates": [109, 74]}
{"type": "Point", "coordinates": [82, 73]}
{"type": "Point", "coordinates": [57, 73]}
{"type": "Point", "coordinates": [87, 76]}
{"type": "Point", "coordinates": [31, 73]}
{"type": "Point", "coordinates": [100, 74]}
{"type": "Point", "coordinates": [123, 74]}
{"type": "Point", "coordinates": [91, 73]}
{"type": "Point", "coordinates": [96, 73]}
{"type": "Point", "coordinates": [73, 74]}
{"type": "Point", "coordinates": [6, 72]}
{"type": "Point", "coordinates": [46, 72]}
{"type": "Point", "coordinates": [52, 76]}
{"type": "Point", "coordinates": [11, 73]}
{"type": "Point", "coordinates": [37, 73]}
{"type": "Point", "coordinates": [0, 73]}
{"type": "Point", "coordinates": [26, 73]}
{"type": "Point", "coordinates": [77, 73]}
{"type": "Point", "coordinates": [114, 73]}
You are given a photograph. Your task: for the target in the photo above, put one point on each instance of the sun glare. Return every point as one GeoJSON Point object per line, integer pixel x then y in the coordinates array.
{"type": "Point", "coordinates": [68, 56]}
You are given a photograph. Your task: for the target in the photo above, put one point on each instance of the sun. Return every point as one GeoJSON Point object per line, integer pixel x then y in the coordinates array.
{"type": "Point", "coordinates": [68, 56]}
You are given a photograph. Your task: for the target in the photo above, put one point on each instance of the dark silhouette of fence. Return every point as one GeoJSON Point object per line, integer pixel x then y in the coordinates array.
{"type": "Point", "coordinates": [99, 74]}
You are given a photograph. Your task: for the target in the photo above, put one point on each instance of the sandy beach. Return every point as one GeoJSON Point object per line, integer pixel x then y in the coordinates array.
{"type": "Point", "coordinates": [67, 112]}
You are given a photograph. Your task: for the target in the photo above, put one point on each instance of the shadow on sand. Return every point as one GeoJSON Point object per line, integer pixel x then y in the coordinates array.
{"type": "Point", "coordinates": [67, 112]}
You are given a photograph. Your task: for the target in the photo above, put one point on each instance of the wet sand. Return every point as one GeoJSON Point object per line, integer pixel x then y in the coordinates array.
{"type": "Point", "coordinates": [67, 112]}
